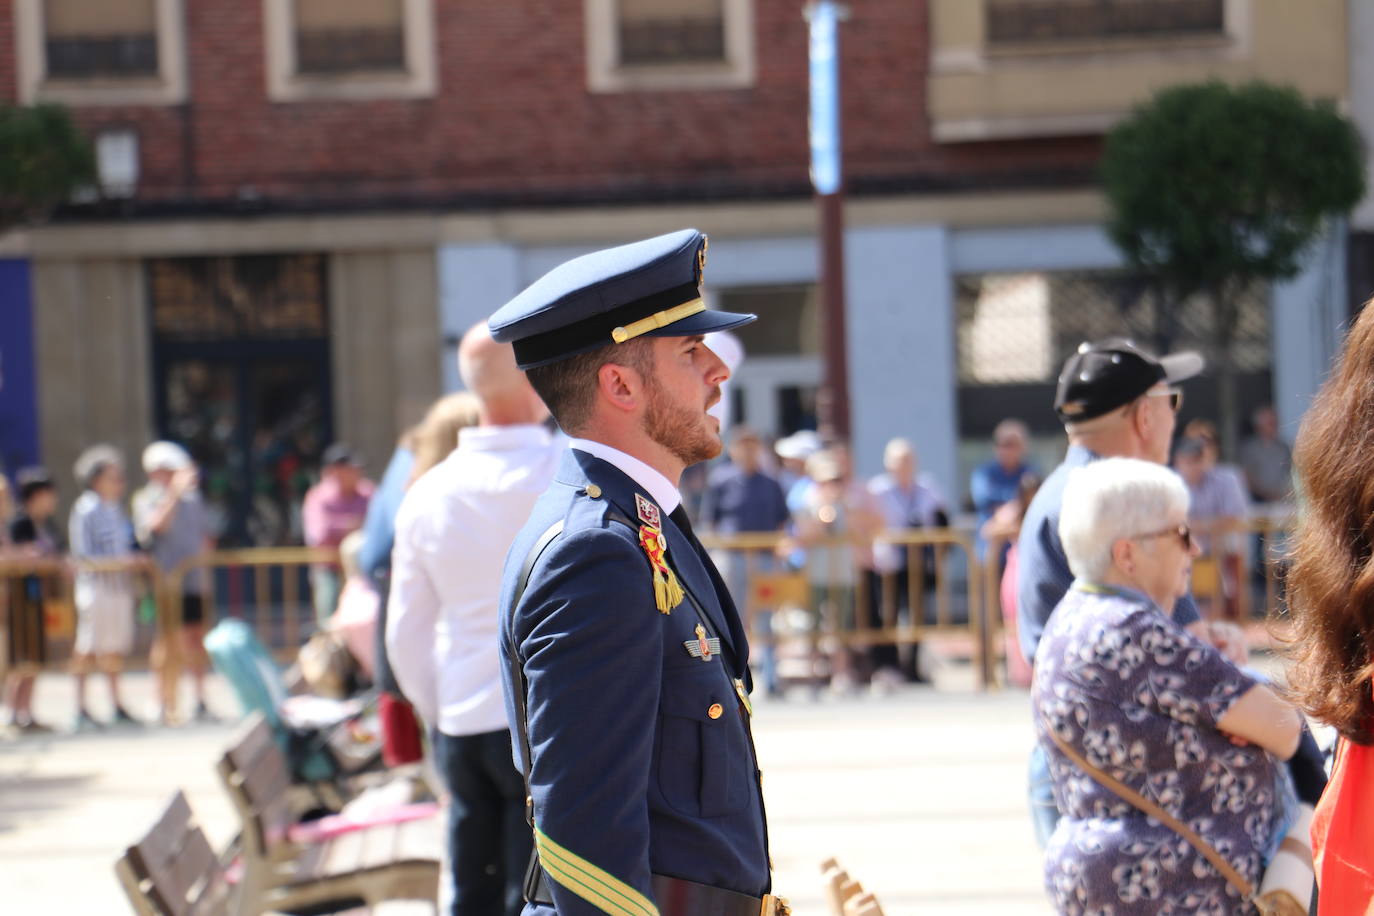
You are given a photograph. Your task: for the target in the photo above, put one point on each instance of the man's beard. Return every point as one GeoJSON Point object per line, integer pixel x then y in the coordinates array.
{"type": "Point", "coordinates": [681, 430]}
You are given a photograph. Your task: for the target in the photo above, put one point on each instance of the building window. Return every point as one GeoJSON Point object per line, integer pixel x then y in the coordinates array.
{"type": "Point", "coordinates": [654, 33]}
{"type": "Point", "coordinates": [85, 40]}
{"type": "Point", "coordinates": [774, 389]}
{"type": "Point", "coordinates": [349, 49]}
{"type": "Point", "coordinates": [1033, 22]}
{"type": "Point", "coordinates": [100, 52]}
{"type": "Point", "coordinates": [669, 44]}
{"type": "Point", "coordinates": [344, 36]}
{"type": "Point", "coordinates": [257, 296]}
{"type": "Point", "coordinates": [1015, 330]}
{"type": "Point", "coordinates": [789, 322]}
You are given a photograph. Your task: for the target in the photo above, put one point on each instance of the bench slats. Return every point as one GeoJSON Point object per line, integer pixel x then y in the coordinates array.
{"type": "Point", "coordinates": [174, 869]}
{"type": "Point", "coordinates": [369, 862]}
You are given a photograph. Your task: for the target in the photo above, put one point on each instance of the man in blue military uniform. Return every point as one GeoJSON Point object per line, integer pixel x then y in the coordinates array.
{"type": "Point", "coordinates": [627, 673]}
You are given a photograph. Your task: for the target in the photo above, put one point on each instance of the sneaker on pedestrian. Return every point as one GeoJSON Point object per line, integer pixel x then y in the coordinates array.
{"type": "Point", "coordinates": [885, 681]}
{"type": "Point", "coordinates": [842, 684]}
{"type": "Point", "coordinates": [122, 717]}
{"type": "Point", "coordinates": [203, 714]}
{"type": "Point", "coordinates": [32, 727]}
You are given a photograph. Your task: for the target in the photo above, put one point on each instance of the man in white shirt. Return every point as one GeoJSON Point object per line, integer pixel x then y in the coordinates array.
{"type": "Point", "coordinates": [452, 532]}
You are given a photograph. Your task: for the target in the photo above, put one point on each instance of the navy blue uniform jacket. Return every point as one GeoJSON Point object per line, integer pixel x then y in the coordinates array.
{"type": "Point", "coordinates": [632, 774]}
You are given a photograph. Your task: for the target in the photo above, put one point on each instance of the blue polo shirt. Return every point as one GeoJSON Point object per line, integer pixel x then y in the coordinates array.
{"type": "Point", "coordinates": [991, 485]}
{"type": "Point", "coordinates": [1043, 575]}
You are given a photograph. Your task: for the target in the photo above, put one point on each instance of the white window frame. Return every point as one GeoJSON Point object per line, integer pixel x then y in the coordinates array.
{"type": "Point", "coordinates": [606, 74]}
{"type": "Point", "coordinates": [168, 87]}
{"type": "Point", "coordinates": [419, 79]}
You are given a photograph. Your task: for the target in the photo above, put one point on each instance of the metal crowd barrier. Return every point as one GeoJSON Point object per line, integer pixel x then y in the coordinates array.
{"type": "Point", "coordinates": [268, 587]}
{"type": "Point", "coordinates": [55, 581]}
{"type": "Point", "coordinates": [1259, 544]}
{"type": "Point", "coordinates": [791, 604]}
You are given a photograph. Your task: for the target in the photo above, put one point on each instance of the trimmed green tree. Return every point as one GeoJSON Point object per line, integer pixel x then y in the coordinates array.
{"type": "Point", "coordinates": [1214, 188]}
{"type": "Point", "coordinates": [43, 159]}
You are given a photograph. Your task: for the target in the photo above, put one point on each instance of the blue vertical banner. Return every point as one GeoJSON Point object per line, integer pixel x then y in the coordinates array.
{"type": "Point", "coordinates": [18, 394]}
{"type": "Point", "coordinates": [826, 166]}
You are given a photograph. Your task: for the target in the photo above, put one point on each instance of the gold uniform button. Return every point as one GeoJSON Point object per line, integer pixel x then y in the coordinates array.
{"type": "Point", "coordinates": [715, 711]}
{"type": "Point", "coordinates": [593, 491]}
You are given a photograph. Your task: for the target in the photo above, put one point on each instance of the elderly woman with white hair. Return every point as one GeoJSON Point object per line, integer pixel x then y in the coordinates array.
{"type": "Point", "coordinates": [1123, 694]}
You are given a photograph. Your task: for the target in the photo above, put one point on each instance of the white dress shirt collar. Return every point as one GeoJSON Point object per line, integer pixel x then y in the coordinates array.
{"type": "Point", "coordinates": [660, 488]}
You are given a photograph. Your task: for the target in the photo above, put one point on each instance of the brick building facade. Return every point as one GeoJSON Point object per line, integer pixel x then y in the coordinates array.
{"type": "Point", "coordinates": [511, 121]}
{"type": "Point", "coordinates": [398, 168]}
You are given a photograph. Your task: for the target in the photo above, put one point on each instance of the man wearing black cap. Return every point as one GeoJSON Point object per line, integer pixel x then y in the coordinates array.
{"type": "Point", "coordinates": [1115, 400]}
{"type": "Point", "coordinates": [626, 673]}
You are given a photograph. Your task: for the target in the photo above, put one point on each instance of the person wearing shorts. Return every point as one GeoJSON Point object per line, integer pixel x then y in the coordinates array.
{"type": "Point", "coordinates": [32, 536]}
{"type": "Point", "coordinates": [173, 526]}
{"type": "Point", "coordinates": [99, 529]}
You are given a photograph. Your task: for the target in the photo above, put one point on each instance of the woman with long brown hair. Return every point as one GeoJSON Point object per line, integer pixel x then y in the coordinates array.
{"type": "Point", "coordinates": [1331, 596]}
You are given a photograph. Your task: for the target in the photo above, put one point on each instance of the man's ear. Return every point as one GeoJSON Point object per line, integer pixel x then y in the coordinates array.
{"type": "Point", "coordinates": [620, 385]}
{"type": "Point", "coordinates": [1140, 420]}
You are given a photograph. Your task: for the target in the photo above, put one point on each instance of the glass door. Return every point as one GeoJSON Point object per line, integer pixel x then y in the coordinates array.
{"type": "Point", "coordinates": [241, 376]}
{"type": "Point", "coordinates": [256, 428]}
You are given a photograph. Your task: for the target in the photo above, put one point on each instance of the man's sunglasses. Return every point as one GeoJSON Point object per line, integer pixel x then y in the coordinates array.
{"type": "Point", "coordinates": [1175, 396]}
{"type": "Point", "coordinates": [1182, 532]}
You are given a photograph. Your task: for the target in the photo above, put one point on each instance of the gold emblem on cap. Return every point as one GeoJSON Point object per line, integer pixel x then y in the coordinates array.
{"type": "Point", "coordinates": [701, 256]}
{"type": "Point", "coordinates": [593, 491]}
{"type": "Point", "coordinates": [716, 711]}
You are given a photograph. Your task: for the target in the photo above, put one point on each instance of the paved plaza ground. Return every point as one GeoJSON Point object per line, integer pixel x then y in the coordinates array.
{"type": "Point", "coordinates": [920, 793]}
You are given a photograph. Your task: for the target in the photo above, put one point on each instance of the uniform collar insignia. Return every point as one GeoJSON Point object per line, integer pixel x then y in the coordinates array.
{"type": "Point", "coordinates": [648, 512]}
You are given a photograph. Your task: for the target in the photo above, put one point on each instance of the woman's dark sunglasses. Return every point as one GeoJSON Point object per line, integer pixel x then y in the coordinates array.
{"type": "Point", "coordinates": [1182, 532]}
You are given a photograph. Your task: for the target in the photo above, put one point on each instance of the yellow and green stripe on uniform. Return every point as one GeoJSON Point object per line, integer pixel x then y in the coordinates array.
{"type": "Point", "coordinates": [594, 885]}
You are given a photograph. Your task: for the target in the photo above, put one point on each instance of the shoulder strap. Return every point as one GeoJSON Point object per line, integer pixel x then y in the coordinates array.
{"type": "Point", "coordinates": [1127, 794]}
{"type": "Point", "coordinates": [517, 668]}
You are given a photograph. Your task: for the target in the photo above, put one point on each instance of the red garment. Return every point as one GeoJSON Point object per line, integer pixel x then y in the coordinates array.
{"type": "Point", "coordinates": [400, 731]}
{"type": "Point", "coordinates": [1342, 831]}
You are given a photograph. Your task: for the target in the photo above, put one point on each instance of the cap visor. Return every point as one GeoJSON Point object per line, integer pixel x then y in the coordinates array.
{"type": "Point", "coordinates": [703, 323]}
{"type": "Point", "coordinates": [1179, 367]}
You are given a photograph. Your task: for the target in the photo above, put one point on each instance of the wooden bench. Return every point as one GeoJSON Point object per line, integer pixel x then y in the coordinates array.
{"type": "Point", "coordinates": [173, 871]}
{"type": "Point", "coordinates": [367, 865]}
{"type": "Point", "coordinates": [845, 895]}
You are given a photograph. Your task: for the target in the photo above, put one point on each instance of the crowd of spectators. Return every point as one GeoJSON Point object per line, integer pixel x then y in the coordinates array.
{"type": "Point", "coordinates": [801, 488]}
{"type": "Point", "coordinates": [89, 585]}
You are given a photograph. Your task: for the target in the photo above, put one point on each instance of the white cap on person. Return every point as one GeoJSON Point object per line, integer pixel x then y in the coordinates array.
{"type": "Point", "coordinates": [165, 456]}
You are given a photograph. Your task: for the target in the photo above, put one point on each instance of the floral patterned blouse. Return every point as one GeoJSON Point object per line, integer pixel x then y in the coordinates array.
{"type": "Point", "coordinates": [1139, 697]}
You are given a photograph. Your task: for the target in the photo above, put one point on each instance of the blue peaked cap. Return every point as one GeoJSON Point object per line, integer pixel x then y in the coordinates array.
{"type": "Point", "coordinates": [645, 289]}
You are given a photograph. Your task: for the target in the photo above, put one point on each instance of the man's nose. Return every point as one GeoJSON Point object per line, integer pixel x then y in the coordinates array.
{"type": "Point", "coordinates": [716, 371]}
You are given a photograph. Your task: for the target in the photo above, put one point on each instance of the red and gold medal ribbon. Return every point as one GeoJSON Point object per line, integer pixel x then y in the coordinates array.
{"type": "Point", "coordinates": [668, 592]}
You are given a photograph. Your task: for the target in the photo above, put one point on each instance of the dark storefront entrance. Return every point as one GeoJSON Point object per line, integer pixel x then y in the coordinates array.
{"type": "Point", "coordinates": [242, 379]}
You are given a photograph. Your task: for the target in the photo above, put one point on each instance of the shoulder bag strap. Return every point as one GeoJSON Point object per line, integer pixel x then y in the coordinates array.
{"type": "Point", "coordinates": [1142, 803]}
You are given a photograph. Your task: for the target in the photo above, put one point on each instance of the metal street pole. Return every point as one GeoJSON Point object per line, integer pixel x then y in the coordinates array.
{"type": "Point", "coordinates": [827, 176]}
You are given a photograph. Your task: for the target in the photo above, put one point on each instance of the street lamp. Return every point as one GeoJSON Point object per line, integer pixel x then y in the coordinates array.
{"type": "Point", "coordinates": [116, 159]}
